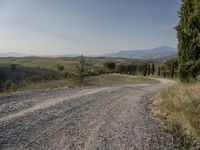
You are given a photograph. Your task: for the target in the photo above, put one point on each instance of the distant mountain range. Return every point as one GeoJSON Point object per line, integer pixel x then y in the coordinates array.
{"type": "Point", "coordinates": [59, 56]}
{"type": "Point", "coordinates": [159, 52]}
{"type": "Point", "coordinates": [16, 54]}
{"type": "Point", "coordinates": [155, 53]}
{"type": "Point", "coordinates": [13, 54]}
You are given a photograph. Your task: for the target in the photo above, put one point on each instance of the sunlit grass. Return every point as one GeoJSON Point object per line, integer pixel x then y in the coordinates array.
{"type": "Point", "coordinates": [179, 107]}
{"type": "Point", "coordinates": [117, 79]}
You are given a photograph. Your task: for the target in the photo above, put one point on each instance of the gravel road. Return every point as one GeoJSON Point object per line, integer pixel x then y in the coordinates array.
{"type": "Point", "coordinates": [87, 118]}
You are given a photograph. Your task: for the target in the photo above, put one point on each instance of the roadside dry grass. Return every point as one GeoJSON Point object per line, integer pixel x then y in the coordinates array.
{"type": "Point", "coordinates": [48, 85]}
{"type": "Point", "coordinates": [117, 79]}
{"type": "Point", "coordinates": [179, 109]}
{"type": "Point", "coordinates": [101, 80]}
{"type": "Point", "coordinates": [43, 85]}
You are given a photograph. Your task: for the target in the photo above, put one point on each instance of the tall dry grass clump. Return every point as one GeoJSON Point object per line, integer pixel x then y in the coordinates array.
{"type": "Point", "coordinates": [179, 108]}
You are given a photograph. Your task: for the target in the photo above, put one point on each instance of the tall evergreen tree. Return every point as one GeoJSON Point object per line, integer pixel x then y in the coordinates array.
{"type": "Point", "coordinates": [188, 33]}
{"type": "Point", "coordinates": [164, 72]}
{"type": "Point", "coordinates": [148, 69]}
{"type": "Point", "coordinates": [153, 69]}
{"type": "Point", "coordinates": [145, 70]}
{"type": "Point", "coordinates": [172, 71]}
{"type": "Point", "coordinates": [120, 68]}
{"type": "Point", "coordinates": [159, 71]}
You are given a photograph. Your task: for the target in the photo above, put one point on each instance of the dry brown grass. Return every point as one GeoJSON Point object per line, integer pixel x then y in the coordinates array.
{"type": "Point", "coordinates": [179, 108]}
{"type": "Point", "coordinates": [101, 80]}
{"type": "Point", "coordinates": [117, 79]}
{"type": "Point", "coordinates": [43, 85]}
{"type": "Point", "coordinates": [47, 85]}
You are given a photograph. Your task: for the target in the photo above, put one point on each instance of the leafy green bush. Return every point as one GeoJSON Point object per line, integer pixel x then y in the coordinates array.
{"type": "Point", "coordinates": [95, 72]}
{"type": "Point", "coordinates": [110, 65]}
{"type": "Point", "coordinates": [120, 68]}
{"type": "Point", "coordinates": [35, 79]}
{"type": "Point", "coordinates": [13, 67]}
{"type": "Point", "coordinates": [61, 68]}
{"type": "Point", "coordinates": [9, 85]}
{"type": "Point", "coordinates": [2, 77]}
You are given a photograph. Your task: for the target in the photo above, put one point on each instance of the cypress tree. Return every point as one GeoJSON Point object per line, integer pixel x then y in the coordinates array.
{"type": "Point", "coordinates": [188, 31]}
{"type": "Point", "coordinates": [153, 69]}
{"type": "Point", "coordinates": [159, 71]}
{"type": "Point", "coordinates": [145, 70]}
{"type": "Point", "coordinates": [172, 71]}
{"type": "Point", "coordinates": [164, 72]}
{"type": "Point", "coordinates": [149, 69]}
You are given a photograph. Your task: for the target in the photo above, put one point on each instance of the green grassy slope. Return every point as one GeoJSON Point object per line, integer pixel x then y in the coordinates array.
{"type": "Point", "coordinates": [68, 62]}
{"type": "Point", "coordinates": [42, 62]}
{"type": "Point", "coordinates": [22, 72]}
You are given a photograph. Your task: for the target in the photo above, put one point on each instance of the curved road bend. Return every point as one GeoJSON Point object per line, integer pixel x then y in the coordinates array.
{"type": "Point", "coordinates": [90, 118]}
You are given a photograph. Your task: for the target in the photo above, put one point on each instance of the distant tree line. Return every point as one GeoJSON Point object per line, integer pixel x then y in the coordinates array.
{"type": "Point", "coordinates": [169, 68]}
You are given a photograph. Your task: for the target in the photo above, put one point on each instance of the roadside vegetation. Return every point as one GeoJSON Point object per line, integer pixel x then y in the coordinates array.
{"type": "Point", "coordinates": [117, 79]}
{"type": "Point", "coordinates": [28, 73]}
{"type": "Point", "coordinates": [15, 77]}
{"type": "Point", "coordinates": [179, 106]}
{"type": "Point", "coordinates": [179, 109]}
{"type": "Point", "coordinates": [188, 33]}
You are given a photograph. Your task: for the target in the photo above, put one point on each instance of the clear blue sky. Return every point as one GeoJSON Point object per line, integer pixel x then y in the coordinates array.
{"type": "Point", "coordinates": [86, 26]}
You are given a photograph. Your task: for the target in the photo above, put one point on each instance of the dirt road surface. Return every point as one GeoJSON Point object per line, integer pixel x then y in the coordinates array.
{"type": "Point", "coordinates": [88, 118]}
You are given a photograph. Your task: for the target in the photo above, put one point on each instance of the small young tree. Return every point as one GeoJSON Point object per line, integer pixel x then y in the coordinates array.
{"type": "Point", "coordinates": [81, 70]}
{"type": "Point", "coordinates": [153, 69]}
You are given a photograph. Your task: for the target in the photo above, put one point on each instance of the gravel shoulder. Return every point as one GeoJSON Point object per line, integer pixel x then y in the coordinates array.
{"type": "Point", "coordinates": [83, 118]}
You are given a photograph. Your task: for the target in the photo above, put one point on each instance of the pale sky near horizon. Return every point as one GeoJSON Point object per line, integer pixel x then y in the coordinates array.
{"type": "Point", "coordinates": [53, 27]}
